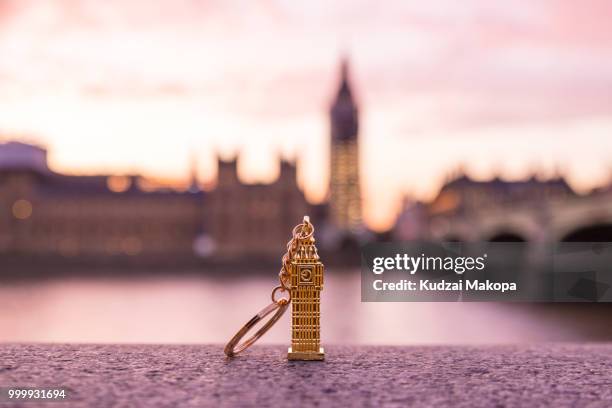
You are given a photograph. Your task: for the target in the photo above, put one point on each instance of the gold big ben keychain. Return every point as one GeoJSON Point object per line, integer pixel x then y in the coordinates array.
{"type": "Point", "coordinates": [301, 277]}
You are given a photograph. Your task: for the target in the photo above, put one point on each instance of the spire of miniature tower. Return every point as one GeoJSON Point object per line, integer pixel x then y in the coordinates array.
{"type": "Point", "coordinates": [307, 250]}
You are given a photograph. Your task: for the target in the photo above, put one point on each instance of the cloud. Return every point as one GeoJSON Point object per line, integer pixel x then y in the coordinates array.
{"type": "Point", "coordinates": [265, 58]}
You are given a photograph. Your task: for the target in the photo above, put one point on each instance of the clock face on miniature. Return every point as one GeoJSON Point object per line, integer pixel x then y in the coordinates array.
{"type": "Point", "coordinates": [306, 275]}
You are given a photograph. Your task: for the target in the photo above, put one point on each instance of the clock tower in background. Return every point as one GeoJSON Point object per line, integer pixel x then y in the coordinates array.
{"type": "Point", "coordinates": [345, 196]}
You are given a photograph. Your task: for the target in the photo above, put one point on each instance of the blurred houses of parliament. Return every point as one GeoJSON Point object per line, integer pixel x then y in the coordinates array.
{"type": "Point", "coordinates": [45, 215]}
{"type": "Point", "coordinates": [104, 218]}
{"type": "Point", "coordinates": [107, 218]}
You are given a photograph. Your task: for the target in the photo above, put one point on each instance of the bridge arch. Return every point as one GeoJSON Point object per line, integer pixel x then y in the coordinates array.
{"type": "Point", "coordinates": [453, 238]}
{"type": "Point", "coordinates": [598, 232]}
{"type": "Point", "coordinates": [506, 236]}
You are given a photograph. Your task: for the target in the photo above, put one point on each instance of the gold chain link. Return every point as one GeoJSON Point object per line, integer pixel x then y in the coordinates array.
{"type": "Point", "coordinates": [301, 232]}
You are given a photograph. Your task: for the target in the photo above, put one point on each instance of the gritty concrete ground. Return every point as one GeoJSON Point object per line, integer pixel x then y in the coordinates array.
{"type": "Point", "coordinates": [555, 375]}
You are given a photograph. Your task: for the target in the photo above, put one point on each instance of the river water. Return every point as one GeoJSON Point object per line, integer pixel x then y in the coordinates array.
{"type": "Point", "coordinates": [191, 309]}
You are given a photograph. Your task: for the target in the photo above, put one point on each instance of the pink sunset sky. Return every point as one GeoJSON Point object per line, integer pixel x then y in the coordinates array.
{"type": "Point", "coordinates": [139, 86]}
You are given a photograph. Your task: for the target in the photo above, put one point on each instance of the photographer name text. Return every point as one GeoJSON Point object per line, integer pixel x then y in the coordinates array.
{"type": "Point", "coordinates": [428, 285]}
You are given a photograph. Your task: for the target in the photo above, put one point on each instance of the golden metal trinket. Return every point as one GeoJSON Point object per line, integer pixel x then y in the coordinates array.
{"type": "Point", "coordinates": [301, 277]}
{"type": "Point", "coordinates": [306, 276]}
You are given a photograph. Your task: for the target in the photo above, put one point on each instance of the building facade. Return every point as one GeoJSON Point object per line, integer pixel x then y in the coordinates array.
{"type": "Point", "coordinates": [253, 219]}
{"type": "Point", "coordinates": [43, 213]}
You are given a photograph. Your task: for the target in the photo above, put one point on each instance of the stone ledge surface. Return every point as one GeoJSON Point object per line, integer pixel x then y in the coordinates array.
{"type": "Point", "coordinates": [556, 375]}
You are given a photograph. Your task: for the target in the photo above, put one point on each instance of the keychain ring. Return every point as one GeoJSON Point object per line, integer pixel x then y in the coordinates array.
{"type": "Point", "coordinates": [232, 348]}
{"type": "Point", "coordinates": [282, 288]}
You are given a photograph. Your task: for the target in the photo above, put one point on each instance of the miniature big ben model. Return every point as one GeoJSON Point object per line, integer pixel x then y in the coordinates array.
{"type": "Point", "coordinates": [306, 285]}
